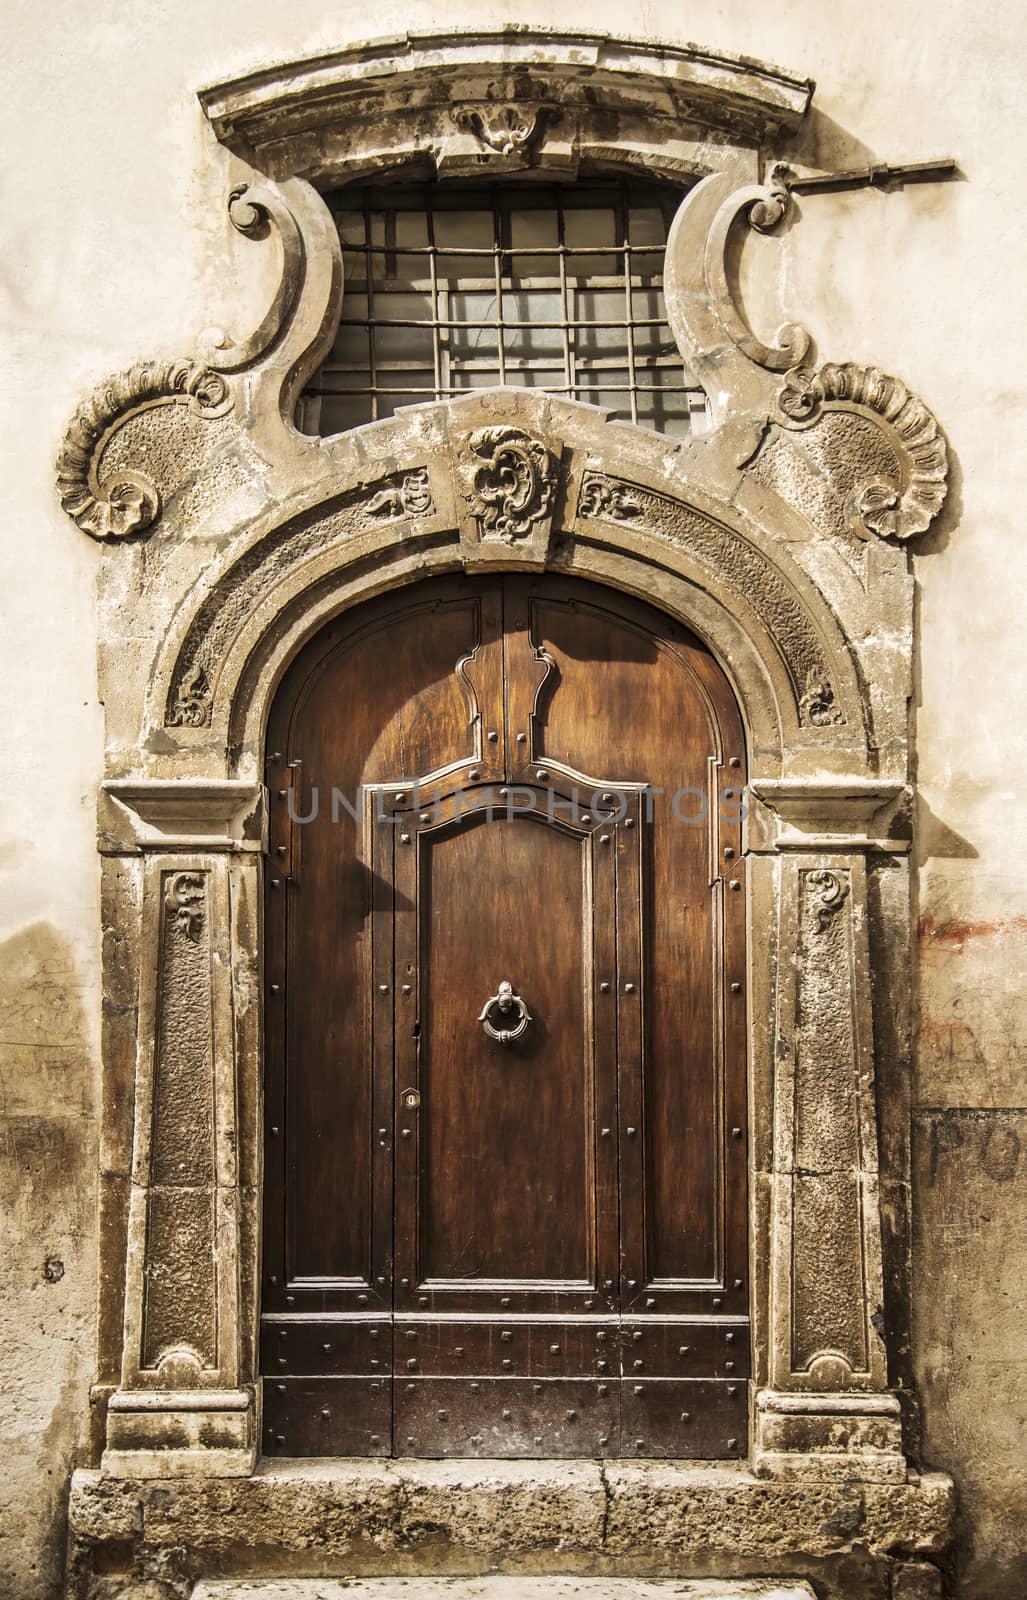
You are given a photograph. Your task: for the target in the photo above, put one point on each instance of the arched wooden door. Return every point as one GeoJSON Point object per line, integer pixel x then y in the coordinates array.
{"type": "Point", "coordinates": [505, 1169]}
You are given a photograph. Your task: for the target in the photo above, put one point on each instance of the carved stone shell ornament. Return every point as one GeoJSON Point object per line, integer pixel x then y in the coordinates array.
{"type": "Point", "coordinates": [878, 506]}
{"type": "Point", "coordinates": [509, 481]}
{"type": "Point", "coordinates": [130, 502]}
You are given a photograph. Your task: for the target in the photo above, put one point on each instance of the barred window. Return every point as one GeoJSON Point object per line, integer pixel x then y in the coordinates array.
{"type": "Point", "coordinates": [451, 287]}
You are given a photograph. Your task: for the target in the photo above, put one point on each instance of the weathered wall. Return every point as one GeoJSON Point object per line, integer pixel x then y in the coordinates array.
{"type": "Point", "coordinates": [117, 247]}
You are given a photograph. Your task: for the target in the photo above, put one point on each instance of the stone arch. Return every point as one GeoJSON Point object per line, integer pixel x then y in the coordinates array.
{"type": "Point", "coordinates": [628, 525]}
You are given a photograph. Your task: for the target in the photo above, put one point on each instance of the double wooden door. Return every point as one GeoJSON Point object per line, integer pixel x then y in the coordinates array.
{"type": "Point", "coordinates": [505, 1162]}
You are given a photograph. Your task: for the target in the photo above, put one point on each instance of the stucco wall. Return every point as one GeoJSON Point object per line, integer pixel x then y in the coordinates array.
{"type": "Point", "coordinates": [117, 247]}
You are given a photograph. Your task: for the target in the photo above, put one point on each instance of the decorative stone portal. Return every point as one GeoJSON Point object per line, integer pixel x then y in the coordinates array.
{"type": "Point", "coordinates": [774, 533]}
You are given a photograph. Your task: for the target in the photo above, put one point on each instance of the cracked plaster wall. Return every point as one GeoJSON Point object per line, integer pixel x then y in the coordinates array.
{"type": "Point", "coordinates": [117, 247]}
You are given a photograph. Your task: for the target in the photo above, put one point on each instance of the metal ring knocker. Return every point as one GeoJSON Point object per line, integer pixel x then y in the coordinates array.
{"type": "Point", "coordinates": [505, 1001]}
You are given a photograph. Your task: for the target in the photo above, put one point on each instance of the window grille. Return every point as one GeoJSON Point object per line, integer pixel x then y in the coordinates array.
{"type": "Point", "coordinates": [456, 287]}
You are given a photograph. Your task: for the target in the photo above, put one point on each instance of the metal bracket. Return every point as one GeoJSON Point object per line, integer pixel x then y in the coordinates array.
{"type": "Point", "coordinates": [879, 176]}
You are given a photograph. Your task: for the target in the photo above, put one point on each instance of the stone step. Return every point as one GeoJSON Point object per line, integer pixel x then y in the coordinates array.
{"type": "Point", "coordinates": [504, 1588]}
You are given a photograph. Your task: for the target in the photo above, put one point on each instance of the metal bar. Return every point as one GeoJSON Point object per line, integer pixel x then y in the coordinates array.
{"type": "Point", "coordinates": [594, 381]}
{"type": "Point", "coordinates": [551, 363]}
{"type": "Point", "coordinates": [372, 353]}
{"type": "Point", "coordinates": [497, 260]}
{"type": "Point", "coordinates": [568, 340]}
{"type": "Point", "coordinates": [622, 212]}
{"type": "Point", "coordinates": [876, 177]}
{"type": "Point", "coordinates": [534, 250]}
{"type": "Point", "coordinates": [484, 285]}
{"type": "Point", "coordinates": [436, 326]}
{"type": "Point", "coordinates": [461, 322]}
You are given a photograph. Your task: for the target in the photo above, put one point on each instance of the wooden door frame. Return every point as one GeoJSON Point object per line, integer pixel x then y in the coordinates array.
{"type": "Point", "coordinates": [754, 537]}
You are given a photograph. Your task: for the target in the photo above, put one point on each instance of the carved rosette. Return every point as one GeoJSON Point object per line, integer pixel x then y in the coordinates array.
{"type": "Point", "coordinates": [509, 482]}
{"type": "Point", "coordinates": [130, 502]}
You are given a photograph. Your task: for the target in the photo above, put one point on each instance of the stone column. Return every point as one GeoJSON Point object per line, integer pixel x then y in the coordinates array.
{"type": "Point", "coordinates": [185, 1401]}
{"type": "Point", "coordinates": [821, 1405]}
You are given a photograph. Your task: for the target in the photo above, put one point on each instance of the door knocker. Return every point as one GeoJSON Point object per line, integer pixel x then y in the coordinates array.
{"type": "Point", "coordinates": [505, 1001]}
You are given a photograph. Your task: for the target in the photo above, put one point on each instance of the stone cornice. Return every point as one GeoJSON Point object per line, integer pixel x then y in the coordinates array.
{"type": "Point", "coordinates": [262, 113]}
{"type": "Point", "coordinates": [828, 814]}
{"type": "Point", "coordinates": [183, 814]}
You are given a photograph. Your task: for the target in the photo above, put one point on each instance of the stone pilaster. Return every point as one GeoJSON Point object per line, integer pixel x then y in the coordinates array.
{"type": "Point", "coordinates": [185, 1401]}
{"type": "Point", "coordinates": [821, 1403]}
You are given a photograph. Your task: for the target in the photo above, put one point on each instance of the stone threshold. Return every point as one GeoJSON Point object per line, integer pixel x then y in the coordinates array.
{"type": "Point", "coordinates": [505, 1589]}
{"type": "Point", "coordinates": [330, 1519]}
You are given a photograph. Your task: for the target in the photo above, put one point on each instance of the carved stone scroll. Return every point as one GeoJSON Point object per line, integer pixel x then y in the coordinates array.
{"type": "Point", "coordinates": [253, 210]}
{"type": "Point", "coordinates": [896, 509]}
{"type": "Point", "coordinates": [750, 383]}
{"type": "Point", "coordinates": [509, 481]}
{"type": "Point", "coordinates": [103, 477]}
{"type": "Point", "coordinates": [763, 207]}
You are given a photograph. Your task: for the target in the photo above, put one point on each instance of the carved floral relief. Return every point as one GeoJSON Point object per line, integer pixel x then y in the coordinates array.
{"type": "Point", "coordinates": [509, 481]}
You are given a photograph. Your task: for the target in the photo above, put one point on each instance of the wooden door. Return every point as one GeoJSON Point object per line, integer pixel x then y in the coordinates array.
{"type": "Point", "coordinates": [505, 1172]}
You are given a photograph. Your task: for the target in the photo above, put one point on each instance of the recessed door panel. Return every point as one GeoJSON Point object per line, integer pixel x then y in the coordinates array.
{"type": "Point", "coordinates": [506, 898]}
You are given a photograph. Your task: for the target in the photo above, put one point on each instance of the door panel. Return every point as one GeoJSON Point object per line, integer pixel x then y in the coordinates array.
{"type": "Point", "coordinates": [500, 1417]}
{"type": "Point", "coordinates": [531, 1247]}
{"type": "Point", "coordinates": [487, 890]}
{"type": "Point", "coordinates": [513, 891]}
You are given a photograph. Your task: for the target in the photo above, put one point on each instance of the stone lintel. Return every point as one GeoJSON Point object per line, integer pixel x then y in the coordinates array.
{"type": "Point", "coordinates": [191, 814]}
{"type": "Point", "coordinates": [828, 814]}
